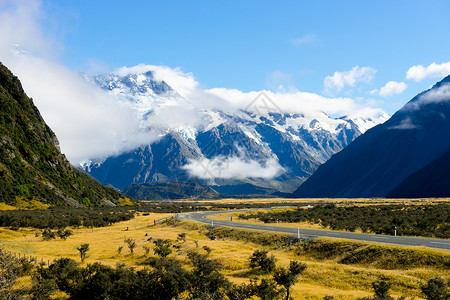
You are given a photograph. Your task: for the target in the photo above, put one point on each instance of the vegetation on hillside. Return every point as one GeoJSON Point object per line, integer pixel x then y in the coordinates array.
{"type": "Point", "coordinates": [170, 190]}
{"type": "Point", "coordinates": [414, 220]}
{"type": "Point", "coordinates": [31, 165]}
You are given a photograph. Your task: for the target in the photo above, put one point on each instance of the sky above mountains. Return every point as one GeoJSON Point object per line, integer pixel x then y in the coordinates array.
{"type": "Point", "coordinates": [340, 57]}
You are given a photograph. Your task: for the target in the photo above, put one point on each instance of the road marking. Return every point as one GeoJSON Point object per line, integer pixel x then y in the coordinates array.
{"type": "Point", "coordinates": [442, 243]}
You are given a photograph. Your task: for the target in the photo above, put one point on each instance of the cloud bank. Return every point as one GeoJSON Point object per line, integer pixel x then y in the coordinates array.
{"type": "Point", "coordinates": [88, 122]}
{"type": "Point", "coordinates": [232, 167]}
{"type": "Point", "coordinates": [434, 70]}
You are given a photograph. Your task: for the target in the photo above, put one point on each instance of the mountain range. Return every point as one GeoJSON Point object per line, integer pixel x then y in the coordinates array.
{"type": "Point", "coordinates": [407, 156]}
{"type": "Point", "coordinates": [32, 168]}
{"type": "Point", "coordinates": [259, 149]}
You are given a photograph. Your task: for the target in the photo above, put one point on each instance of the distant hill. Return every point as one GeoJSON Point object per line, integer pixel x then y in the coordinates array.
{"type": "Point", "coordinates": [32, 168]}
{"type": "Point", "coordinates": [170, 191]}
{"type": "Point", "coordinates": [405, 156]}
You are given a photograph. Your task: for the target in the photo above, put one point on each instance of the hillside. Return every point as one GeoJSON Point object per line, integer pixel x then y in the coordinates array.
{"type": "Point", "coordinates": [32, 167]}
{"type": "Point", "coordinates": [170, 191]}
{"type": "Point", "coordinates": [433, 180]}
{"type": "Point", "coordinates": [376, 163]}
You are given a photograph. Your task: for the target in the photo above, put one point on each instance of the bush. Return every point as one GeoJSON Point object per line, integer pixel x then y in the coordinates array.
{"type": "Point", "coordinates": [261, 260]}
{"type": "Point", "coordinates": [436, 289]}
{"type": "Point", "coordinates": [162, 248]}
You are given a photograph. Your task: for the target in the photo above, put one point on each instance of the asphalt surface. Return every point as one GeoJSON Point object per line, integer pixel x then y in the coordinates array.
{"type": "Point", "coordinates": [310, 233]}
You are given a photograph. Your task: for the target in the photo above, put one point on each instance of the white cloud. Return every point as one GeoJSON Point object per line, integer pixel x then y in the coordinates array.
{"type": "Point", "coordinates": [436, 95]}
{"type": "Point", "coordinates": [232, 167]}
{"type": "Point", "coordinates": [434, 70]}
{"type": "Point", "coordinates": [87, 121]}
{"type": "Point", "coordinates": [405, 124]}
{"type": "Point", "coordinates": [290, 102]}
{"type": "Point", "coordinates": [391, 88]}
{"type": "Point", "coordinates": [336, 83]}
{"type": "Point", "coordinates": [306, 39]}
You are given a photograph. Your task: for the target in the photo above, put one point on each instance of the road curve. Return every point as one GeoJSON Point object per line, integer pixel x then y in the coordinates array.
{"type": "Point", "coordinates": [388, 239]}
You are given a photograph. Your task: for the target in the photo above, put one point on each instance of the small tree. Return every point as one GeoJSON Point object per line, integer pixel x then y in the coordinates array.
{"type": "Point", "coordinates": [147, 250]}
{"type": "Point", "coordinates": [288, 277]}
{"type": "Point", "coordinates": [260, 259]}
{"type": "Point", "coordinates": [83, 249]}
{"type": "Point", "coordinates": [162, 248]}
{"type": "Point", "coordinates": [435, 289]}
{"type": "Point", "coordinates": [131, 244]}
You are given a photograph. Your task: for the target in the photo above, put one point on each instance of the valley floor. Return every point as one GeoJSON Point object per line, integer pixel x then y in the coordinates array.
{"type": "Point", "coordinates": [324, 276]}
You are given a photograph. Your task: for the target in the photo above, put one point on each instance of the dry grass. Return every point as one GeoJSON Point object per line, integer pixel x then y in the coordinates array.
{"type": "Point", "coordinates": [4, 206]}
{"type": "Point", "coordinates": [323, 276]}
{"type": "Point", "coordinates": [235, 217]}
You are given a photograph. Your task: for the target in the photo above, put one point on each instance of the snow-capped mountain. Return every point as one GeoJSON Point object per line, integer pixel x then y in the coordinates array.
{"type": "Point", "coordinates": [259, 146]}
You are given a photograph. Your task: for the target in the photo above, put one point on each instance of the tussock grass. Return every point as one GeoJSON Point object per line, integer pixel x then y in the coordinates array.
{"type": "Point", "coordinates": [381, 256]}
{"type": "Point", "coordinates": [327, 274]}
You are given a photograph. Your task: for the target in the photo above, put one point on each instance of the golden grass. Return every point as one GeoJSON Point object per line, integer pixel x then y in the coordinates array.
{"type": "Point", "coordinates": [323, 277]}
{"type": "Point", "coordinates": [24, 203]}
{"type": "Point", "coordinates": [126, 202]}
{"type": "Point", "coordinates": [4, 206]}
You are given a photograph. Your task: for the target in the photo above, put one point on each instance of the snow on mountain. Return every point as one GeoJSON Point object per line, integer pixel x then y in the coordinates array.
{"type": "Point", "coordinates": [195, 140]}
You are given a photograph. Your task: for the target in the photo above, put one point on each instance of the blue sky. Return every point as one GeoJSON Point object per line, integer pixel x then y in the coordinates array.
{"type": "Point", "coordinates": [255, 45]}
{"type": "Point", "coordinates": [349, 58]}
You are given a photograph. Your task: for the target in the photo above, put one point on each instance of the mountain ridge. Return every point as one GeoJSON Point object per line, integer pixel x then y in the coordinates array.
{"type": "Point", "coordinates": [287, 147]}
{"type": "Point", "coordinates": [32, 167]}
{"type": "Point", "coordinates": [379, 160]}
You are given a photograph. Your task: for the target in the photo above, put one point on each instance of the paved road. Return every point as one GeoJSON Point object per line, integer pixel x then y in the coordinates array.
{"type": "Point", "coordinates": [397, 240]}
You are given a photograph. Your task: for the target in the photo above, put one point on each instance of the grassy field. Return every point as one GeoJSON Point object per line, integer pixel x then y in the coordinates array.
{"type": "Point", "coordinates": [326, 274]}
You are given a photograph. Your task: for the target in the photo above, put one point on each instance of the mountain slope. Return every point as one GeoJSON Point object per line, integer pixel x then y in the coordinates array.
{"type": "Point", "coordinates": [433, 180]}
{"type": "Point", "coordinates": [31, 164]}
{"type": "Point", "coordinates": [271, 151]}
{"type": "Point", "coordinates": [170, 191]}
{"type": "Point", "coordinates": [378, 161]}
